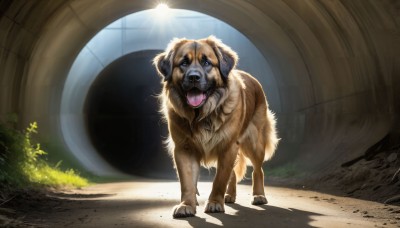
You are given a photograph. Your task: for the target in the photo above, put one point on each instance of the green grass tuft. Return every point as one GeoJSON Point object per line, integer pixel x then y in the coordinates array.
{"type": "Point", "coordinates": [23, 163]}
{"type": "Point", "coordinates": [49, 176]}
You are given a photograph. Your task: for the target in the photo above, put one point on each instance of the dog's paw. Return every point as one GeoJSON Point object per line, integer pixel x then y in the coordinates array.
{"type": "Point", "coordinates": [259, 200]}
{"type": "Point", "coordinates": [230, 198]}
{"type": "Point", "coordinates": [214, 207]}
{"type": "Point", "coordinates": [182, 211]}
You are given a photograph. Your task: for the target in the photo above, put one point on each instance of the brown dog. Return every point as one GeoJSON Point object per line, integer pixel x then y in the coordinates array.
{"type": "Point", "coordinates": [216, 115]}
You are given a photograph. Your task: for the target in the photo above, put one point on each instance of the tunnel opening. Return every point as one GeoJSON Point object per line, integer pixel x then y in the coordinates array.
{"type": "Point", "coordinates": [122, 117]}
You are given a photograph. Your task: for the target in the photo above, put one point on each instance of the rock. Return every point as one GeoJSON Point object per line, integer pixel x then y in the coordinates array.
{"type": "Point", "coordinates": [392, 157]}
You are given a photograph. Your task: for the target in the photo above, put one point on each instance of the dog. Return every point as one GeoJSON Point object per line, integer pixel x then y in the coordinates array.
{"type": "Point", "coordinates": [217, 116]}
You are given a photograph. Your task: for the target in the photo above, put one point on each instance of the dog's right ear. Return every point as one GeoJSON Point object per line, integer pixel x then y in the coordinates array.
{"type": "Point", "coordinates": [163, 64]}
{"type": "Point", "coordinates": [164, 61]}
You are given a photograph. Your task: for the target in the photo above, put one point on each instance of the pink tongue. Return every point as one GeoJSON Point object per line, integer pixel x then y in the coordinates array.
{"type": "Point", "coordinates": [195, 97]}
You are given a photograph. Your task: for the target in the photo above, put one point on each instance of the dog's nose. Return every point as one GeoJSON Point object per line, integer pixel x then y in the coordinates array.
{"type": "Point", "coordinates": [194, 76]}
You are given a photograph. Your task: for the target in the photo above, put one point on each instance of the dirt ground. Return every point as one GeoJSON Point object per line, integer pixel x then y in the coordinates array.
{"type": "Point", "coordinates": [148, 203]}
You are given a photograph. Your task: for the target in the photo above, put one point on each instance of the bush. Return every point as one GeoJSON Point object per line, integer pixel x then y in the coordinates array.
{"type": "Point", "coordinates": [22, 162]}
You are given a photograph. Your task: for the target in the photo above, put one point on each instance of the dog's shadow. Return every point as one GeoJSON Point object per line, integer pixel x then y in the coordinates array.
{"type": "Point", "coordinates": [264, 216]}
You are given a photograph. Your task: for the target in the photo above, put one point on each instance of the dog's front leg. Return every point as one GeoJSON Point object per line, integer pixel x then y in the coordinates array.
{"type": "Point", "coordinates": [225, 165]}
{"type": "Point", "coordinates": [188, 171]}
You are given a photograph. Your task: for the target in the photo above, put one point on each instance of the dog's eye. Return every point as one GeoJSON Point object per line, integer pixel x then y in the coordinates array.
{"type": "Point", "coordinates": [185, 62]}
{"type": "Point", "coordinates": [205, 61]}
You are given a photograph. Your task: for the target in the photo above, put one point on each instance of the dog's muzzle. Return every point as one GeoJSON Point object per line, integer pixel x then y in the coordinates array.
{"type": "Point", "coordinates": [195, 84]}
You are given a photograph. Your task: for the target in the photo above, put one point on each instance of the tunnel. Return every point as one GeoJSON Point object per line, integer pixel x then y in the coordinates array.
{"type": "Point", "coordinates": [330, 69]}
{"type": "Point", "coordinates": [122, 114]}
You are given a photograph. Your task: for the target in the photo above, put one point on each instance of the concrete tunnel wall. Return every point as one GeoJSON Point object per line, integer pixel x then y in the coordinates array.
{"type": "Point", "coordinates": [336, 65]}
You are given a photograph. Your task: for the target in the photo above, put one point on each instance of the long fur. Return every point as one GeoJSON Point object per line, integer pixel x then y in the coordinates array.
{"type": "Point", "coordinates": [233, 126]}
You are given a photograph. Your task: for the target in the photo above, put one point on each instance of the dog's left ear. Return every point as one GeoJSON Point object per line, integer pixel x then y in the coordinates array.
{"type": "Point", "coordinates": [226, 56]}
{"type": "Point", "coordinates": [163, 64]}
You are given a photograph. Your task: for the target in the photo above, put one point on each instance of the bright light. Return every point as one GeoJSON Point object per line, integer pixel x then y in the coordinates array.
{"type": "Point", "coordinates": [162, 10]}
{"type": "Point", "coordinates": [162, 7]}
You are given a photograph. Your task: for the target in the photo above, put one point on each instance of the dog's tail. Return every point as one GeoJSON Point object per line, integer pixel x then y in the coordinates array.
{"type": "Point", "coordinates": [240, 166]}
{"type": "Point", "coordinates": [271, 135]}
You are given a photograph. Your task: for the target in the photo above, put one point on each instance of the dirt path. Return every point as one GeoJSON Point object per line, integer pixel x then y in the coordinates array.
{"type": "Point", "coordinates": [148, 204]}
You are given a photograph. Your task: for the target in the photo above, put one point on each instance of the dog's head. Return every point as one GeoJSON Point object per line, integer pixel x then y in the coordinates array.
{"type": "Point", "coordinates": [196, 68]}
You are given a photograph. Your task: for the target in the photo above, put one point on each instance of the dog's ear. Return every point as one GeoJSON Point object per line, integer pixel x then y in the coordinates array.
{"type": "Point", "coordinates": [164, 61]}
{"type": "Point", "coordinates": [163, 64]}
{"type": "Point", "coordinates": [226, 56]}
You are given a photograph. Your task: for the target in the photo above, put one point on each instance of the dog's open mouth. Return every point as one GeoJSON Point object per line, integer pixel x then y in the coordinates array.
{"type": "Point", "coordinates": [196, 98]}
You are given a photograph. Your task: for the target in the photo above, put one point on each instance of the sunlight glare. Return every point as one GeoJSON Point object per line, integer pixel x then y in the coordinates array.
{"type": "Point", "coordinates": [162, 11]}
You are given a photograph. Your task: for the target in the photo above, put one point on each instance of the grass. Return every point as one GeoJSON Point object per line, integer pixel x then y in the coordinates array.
{"type": "Point", "coordinates": [49, 176]}
{"type": "Point", "coordinates": [23, 163]}
{"type": "Point", "coordinates": [24, 169]}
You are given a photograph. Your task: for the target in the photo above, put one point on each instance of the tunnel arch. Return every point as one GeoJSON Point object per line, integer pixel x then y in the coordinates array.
{"type": "Point", "coordinates": [340, 111]}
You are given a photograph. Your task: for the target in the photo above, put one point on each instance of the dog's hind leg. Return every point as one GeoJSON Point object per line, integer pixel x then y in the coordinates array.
{"type": "Point", "coordinates": [230, 194]}
{"type": "Point", "coordinates": [258, 176]}
{"type": "Point", "coordinates": [237, 175]}
{"type": "Point", "coordinates": [253, 148]}
{"type": "Point", "coordinates": [258, 186]}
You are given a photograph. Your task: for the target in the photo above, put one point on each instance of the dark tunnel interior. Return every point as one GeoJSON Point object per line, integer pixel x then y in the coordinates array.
{"type": "Point", "coordinates": [122, 116]}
